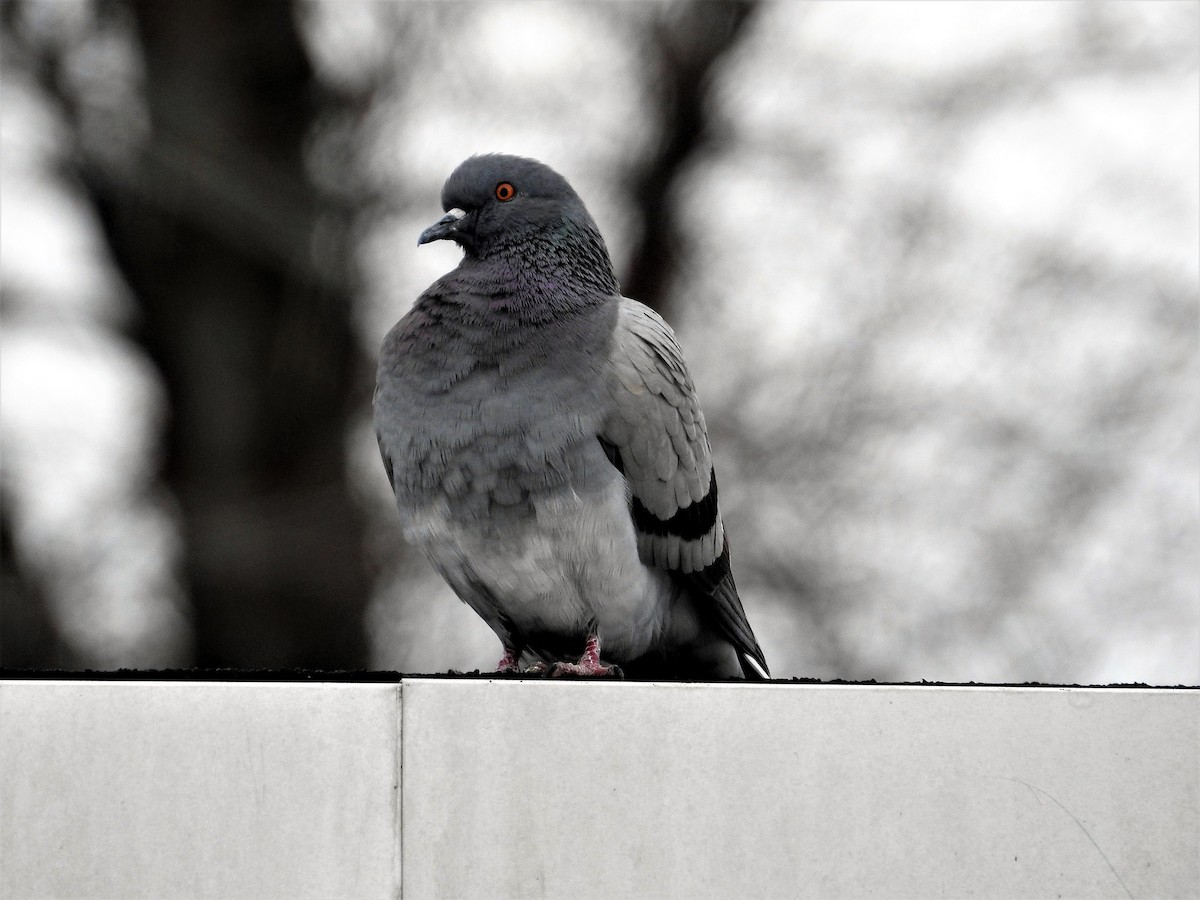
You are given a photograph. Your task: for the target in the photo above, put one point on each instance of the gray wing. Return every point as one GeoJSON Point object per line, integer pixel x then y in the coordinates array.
{"type": "Point", "coordinates": [655, 435]}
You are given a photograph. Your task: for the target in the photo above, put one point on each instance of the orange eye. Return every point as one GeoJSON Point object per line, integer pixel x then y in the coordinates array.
{"type": "Point", "coordinates": [505, 191]}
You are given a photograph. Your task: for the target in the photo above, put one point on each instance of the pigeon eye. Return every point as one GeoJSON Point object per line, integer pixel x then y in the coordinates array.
{"type": "Point", "coordinates": [505, 191]}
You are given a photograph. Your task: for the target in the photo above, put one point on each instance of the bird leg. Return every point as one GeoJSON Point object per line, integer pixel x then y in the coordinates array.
{"type": "Point", "coordinates": [509, 662]}
{"type": "Point", "coordinates": [589, 664]}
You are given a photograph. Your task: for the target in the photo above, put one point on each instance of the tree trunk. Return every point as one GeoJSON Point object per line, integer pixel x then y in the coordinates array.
{"type": "Point", "coordinates": [220, 232]}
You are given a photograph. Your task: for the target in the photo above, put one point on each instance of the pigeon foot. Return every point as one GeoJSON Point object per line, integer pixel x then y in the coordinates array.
{"type": "Point", "coordinates": [509, 662]}
{"type": "Point", "coordinates": [589, 664]}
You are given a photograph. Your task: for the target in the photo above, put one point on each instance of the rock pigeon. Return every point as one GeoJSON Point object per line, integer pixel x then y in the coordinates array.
{"type": "Point", "coordinates": [546, 448]}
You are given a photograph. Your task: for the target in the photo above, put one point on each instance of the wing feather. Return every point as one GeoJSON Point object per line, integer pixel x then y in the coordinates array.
{"type": "Point", "coordinates": [658, 440]}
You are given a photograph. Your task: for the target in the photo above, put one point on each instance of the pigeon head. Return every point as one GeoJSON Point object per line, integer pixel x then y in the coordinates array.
{"type": "Point", "coordinates": [497, 204]}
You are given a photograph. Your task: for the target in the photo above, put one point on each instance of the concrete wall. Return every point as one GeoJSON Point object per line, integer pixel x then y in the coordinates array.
{"type": "Point", "coordinates": [472, 788]}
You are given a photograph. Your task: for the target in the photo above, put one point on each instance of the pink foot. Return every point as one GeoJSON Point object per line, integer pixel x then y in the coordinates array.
{"type": "Point", "coordinates": [589, 664]}
{"type": "Point", "coordinates": [509, 662]}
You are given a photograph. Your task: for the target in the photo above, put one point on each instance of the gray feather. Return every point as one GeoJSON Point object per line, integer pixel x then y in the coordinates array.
{"type": "Point", "coordinates": [545, 445]}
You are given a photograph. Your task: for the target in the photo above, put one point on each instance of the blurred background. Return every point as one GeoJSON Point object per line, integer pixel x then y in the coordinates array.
{"type": "Point", "coordinates": [935, 268]}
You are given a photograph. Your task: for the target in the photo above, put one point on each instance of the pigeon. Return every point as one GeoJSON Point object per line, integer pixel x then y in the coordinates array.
{"type": "Point", "coordinates": [547, 452]}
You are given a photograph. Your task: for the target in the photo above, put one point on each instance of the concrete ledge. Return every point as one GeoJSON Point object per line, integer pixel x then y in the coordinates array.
{"type": "Point", "coordinates": [153, 789]}
{"type": "Point", "coordinates": [474, 788]}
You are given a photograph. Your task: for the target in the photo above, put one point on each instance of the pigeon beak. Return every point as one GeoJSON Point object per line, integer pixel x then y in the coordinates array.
{"type": "Point", "coordinates": [445, 227]}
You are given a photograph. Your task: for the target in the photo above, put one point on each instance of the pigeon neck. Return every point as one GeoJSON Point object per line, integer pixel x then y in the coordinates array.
{"type": "Point", "coordinates": [574, 263]}
{"type": "Point", "coordinates": [554, 271]}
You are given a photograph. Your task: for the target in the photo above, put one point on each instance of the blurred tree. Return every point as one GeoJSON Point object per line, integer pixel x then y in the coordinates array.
{"type": "Point", "coordinates": [28, 638]}
{"type": "Point", "coordinates": [239, 269]}
{"type": "Point", "coordinates": [681, 48]}
{"type": "Point", "coordinates": [951, 382]}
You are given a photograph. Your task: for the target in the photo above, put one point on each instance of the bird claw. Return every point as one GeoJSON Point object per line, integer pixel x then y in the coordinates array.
{"type": "Point", "coordinates": [585, 669]}
{"type": "Point", "coordinates": [510, 662]}
{"type": "Point", "coordinates": [589, 665]}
